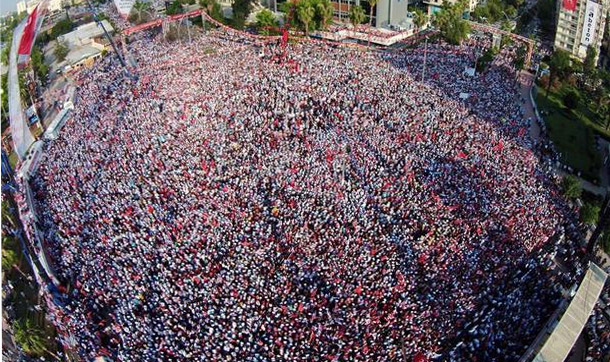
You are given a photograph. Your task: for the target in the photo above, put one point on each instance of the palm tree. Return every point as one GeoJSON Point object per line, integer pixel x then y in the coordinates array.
{"type": "Point", "coordinates": [325, 10]}
{"type": "Point", "coordinates": [306, 13]}
{"type": "Point", "coordinates": [140, 8]}
{"type": "Point", "coordinates": [356, 15]}
{"type": "Point", "coordinates": [420, 18]}
{"type": "Point", "coordinates": [372, 3]}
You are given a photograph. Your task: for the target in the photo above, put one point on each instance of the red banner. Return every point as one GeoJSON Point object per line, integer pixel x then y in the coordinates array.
{"type": "Point", "coordinates": [569, 5]}
{"type": "Point", "coordinates": [29, 32]}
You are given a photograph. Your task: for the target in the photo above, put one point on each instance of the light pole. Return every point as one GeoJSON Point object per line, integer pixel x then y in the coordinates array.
{"type": "Point", "coordinates": [423, 72]}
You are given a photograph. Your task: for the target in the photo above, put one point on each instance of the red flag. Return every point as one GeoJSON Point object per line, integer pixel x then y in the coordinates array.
{"type": "Point", "coordinates": [499, 146]}
{"type": "Point", "coordinates": [29, 33]}
{"type": "Point", "coordinates": [569, 5]}
{"type": "Point", "coordinates": [358, 290]}
{"type": "Point", "coordinates": [462, 155]}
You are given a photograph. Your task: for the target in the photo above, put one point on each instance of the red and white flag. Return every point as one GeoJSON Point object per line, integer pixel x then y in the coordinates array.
{"type": "Point", "coordinates": [569, 5]}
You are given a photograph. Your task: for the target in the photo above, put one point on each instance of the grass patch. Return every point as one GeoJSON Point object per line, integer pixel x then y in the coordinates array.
{"type": "Point", "coordinates": [572, 134]}
{"type": "Point", "coordinates": [12, 159]}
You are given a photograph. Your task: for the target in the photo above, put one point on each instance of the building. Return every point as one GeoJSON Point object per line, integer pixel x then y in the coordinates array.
{"type": "Point", "coordinates": [580, 24]}
{"type": "Point", "coordinates": [436, 5]}
{"type": "Point", "coordinates": [86, 43]}
{"type": "Point", "coordinates": [21, 7]}
{"type": "Point", "coordinates": [387, 13]}
{"type": "Point", "coordinates": [394, 13]}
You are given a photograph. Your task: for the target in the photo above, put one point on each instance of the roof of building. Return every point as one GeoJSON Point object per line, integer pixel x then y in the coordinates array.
{"type": "Point", "coordinates": [80, 53]}
{"type": "Point", "coordinates": [85, 32]}
{"type": "Point", "coordinates": [561, 341]}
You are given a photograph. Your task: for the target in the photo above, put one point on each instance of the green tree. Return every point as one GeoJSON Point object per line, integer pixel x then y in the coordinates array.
{"type": "Point", "coordinates": [572, 189]}
{"type": "Point", "coordinates": [174, 8]}
{"type": "Point", "coordinates": [419, 18]}
{"type": "Point", "coordinates": [61, 27]}
{"type": "Point", "coordinates": [604, 115]}
{"type": "Point", "coordinates": [5, 53]}
{"type": "Point", "coordinates": [241, 10]}
{"type": "Point", "coordinates": [590, 64]}
{"type": "Point", "coordinates": [589, 213]}
{"type": "Point", "coordinates": [449, 20]}
{"type": "Point", "coordinates": [9, 255]}
{"type": "Point", "coordinates": [305, 12]}
{"type": "Point", "coordinates": [519, 60]}
{"type": "Point", "coordinates": [213, 9]}
{"type": "Point", "coordinates": [356, 15]}
{"type": "Point", "coordinates": [324, 11]}
{"type": "Point", "coordinates": [571, 99]}
{"type": "Point", "coordinates": [558, 66]}
{"type": "Point", "coordinates": [29, 337]}
{"type": "Point", "coordinates": [265, 19]}
{"type": "Point", "coordinates": [61, 51]}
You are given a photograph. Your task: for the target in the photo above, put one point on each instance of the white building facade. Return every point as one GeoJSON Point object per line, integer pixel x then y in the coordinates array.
{"type": "Point", "coordinates": [580, 24]}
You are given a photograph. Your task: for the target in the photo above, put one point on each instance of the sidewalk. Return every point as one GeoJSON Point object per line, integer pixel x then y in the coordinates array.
{"type": "Point", "coordinates": [526, 81]}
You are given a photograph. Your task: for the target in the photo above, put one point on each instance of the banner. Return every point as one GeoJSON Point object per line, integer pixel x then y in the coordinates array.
{"type": "Point", "coordinates": [569, 5]}
{"type": "Point", "coordinates": [124, 7]}
{"type": "Point", "coordinates": [588, 30]}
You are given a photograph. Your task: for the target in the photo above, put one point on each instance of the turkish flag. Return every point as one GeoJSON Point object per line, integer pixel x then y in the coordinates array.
{"type": "Point", "coordinates": [569, 5]}
{"type": "Point", "coordinates": [29, 32]}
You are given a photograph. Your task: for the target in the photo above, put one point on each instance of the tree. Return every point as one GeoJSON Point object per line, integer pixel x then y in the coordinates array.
{"type": "Point", "coordinates": [61, 51]}
{"type": "Point", "coordinates": [140, 12]}
{"type": "Point", "coordinates": [604, 115]}
{"type": "Point", "coordinates": [590, 64]}
{"type": "Point", "coordinates": [419, 18]}
{"type": "Point", "coordinates": [213, 9]}
{"type": "Point", "coordinates": [174, 8]}
{"type": "Point", "coordinates": [266, 19]}
{"type": "Point", "coordinates": [372, 4]}
{"type": "Point", "coordinates": [29, 337]}
{"type": "Point", "coordinates": [571, 99]}
{"type": "Point", "coordinates": [356, 15]}
{"type": "Point", "coordinates": [9, 256]}
{"type": "Point", "coordinates": [241, 10]}
{"type": "Point", "coordinates": [61, 27]}
{"type": "Point", "coordinates": [519, 60]}
{"type": "Point", "coordinates": [589, 213]}
{"type": "Point", "coordinates": [325, 10]}
{"type": "Point", "coordinates": [5, 53]}
{"type": "Point", "coordinates": [558, 65]}
{"type": "Point", "coordinates": [572, 189]}
{"type": "Point", "coordinates": [305, 12]}
{"type": "Point", "coordinates": [449, 20]}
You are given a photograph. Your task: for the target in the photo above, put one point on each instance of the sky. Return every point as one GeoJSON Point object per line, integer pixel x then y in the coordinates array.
{"type": "Point", "coordinates": [6, 6]}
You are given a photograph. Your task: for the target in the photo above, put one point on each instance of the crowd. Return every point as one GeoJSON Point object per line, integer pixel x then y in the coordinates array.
{"type": "Point", "coordinates": [597, 330]}
{"type": "Point", "coordinates": [217, 204]}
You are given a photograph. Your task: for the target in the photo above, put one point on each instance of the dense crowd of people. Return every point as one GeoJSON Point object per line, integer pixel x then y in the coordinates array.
{"type": "Point", "coordinates": [215, 203]}
{"type": "Point", "coordinates": [597, 331]}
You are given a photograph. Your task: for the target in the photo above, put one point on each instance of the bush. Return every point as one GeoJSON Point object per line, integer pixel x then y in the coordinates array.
{"type": "Point", "coordinates": [9, 255]}
{"type": "Point", "coordinates": [571, 99]}
{"type": "Point", "coordinates": [61, 51]}
{"type": "Point", "coordinates": [589, 213]}
{"type": "Point", "coordinates": [572, 189]}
